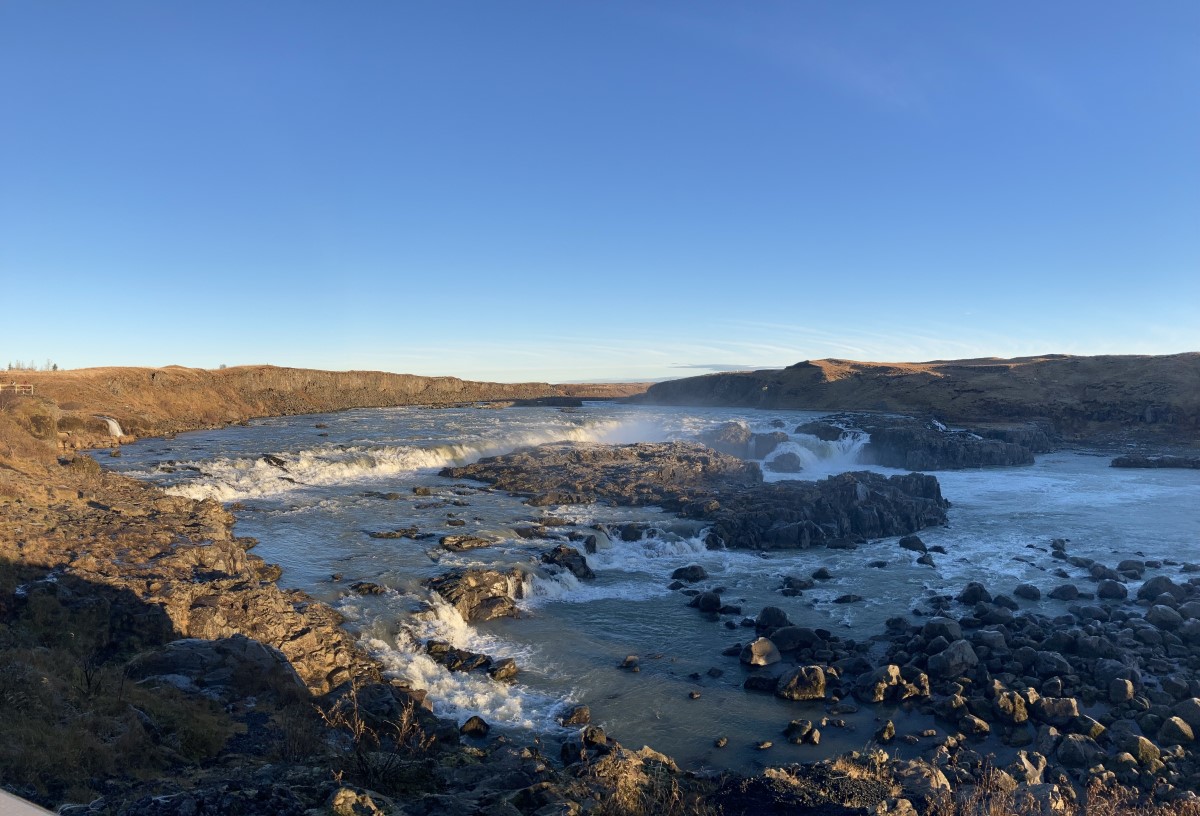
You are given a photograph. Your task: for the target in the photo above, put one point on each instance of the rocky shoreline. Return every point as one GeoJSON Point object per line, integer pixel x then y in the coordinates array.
{"type": "Point", "coordinates": [185, 626]}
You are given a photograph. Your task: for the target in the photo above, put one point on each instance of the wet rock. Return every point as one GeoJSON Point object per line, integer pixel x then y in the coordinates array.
{"type": "Point", "coordinates": [761, 652]}
{"type": "Point", "coordinates": [1110, 590]}
{"type": "Point", "coordinates": [973, 593]}
{"type": "Point", "coordinates": [1164, 617]}
{"type": "Point", "coordinates": [1159, 585]}
{"type": "Point", "coordinates": [462, 543]}
{"type": "Point", "coordinates": [403, 532]}
{"type": "Point", "coordinates": [942, 627]}
{"type": "Point", "coordinates": [909, 444]}
{"type": "Point", "coordinates": [575, 715]}
{"type": "Point", "coordinates": [707, 602]}
{"type": "Point", "coordinates": [763, 444]}
{"type": "Point", "coordinates": [367, 588]}
{"type": "Point", "coordinates": [913, 543]}
{"type": "Point", "coordinates": [802, 683]}
{"type": "Point", "coordinates": [848, 598]}
{"type": "Point", "coordinates": [791, 638]}
{"type": "Point", "coordinates": [1065, 592]}
{"type": "Point", "coordinates": [731, 438]}
{"type": "Point", "coordinates": [571, 560]}
{"type": "Point", "coordinates": [477, 594]}
{"type": "Point", "coordinates": [1028, 591]}
{"type": "Point", "coordinates": [824, 431]}
{"type": "Point", "coordinates": [723, 492]}
{"type": "Point", "coordinates": [771, 618]}
{"type": "Point", "coordinates": [786, 462]}
{"type": "Point", "coordinates": [955, 660]}
{"type": "Point", "coordinates": [475, 727]}
{"type": "Point", "coordinates": [802, 732]}
{"type": "Point", "coordinates": [822, 574]}
{"type": "Point", "coordinates": [691, 574]}
{"type": "Point", "coordinates": [886, 732]}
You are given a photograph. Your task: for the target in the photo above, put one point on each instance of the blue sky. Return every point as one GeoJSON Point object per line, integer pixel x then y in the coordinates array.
{"type": "Point", "coordinates": [596, 190]}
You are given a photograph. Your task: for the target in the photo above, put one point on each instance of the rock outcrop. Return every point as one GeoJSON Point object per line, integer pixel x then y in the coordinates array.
{"type": "Point", "coordinates": [722, 491]}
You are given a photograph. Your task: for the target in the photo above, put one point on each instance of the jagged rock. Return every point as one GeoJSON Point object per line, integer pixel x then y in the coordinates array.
{"type": "Point", "coordinates": [477, 594]}
{"type": "Point", "coordinates": [725, 493]}
{"type": "Point", "coordinates": [802, 732]}
{"type": "Point", "coordinates": [575, 715]}
{"type": "Point", "coordinates": [731, 438]}
{"type": "Point", "coordinates": [462, 543]}
{"type": "Point", "coordinates": [224, 669]}
{"type": "Point", "coordinates": [571, 560]}
{"type": "Point", "coordinates": [955, 660]}
{"type": "Point", "coordinates": [802, 683]}
{"type": "Point", "coordinates": [475, 726]}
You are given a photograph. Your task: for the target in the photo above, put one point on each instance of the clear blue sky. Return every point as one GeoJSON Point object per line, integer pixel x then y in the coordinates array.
{"type": "Point", "coordinates": [596, 190]}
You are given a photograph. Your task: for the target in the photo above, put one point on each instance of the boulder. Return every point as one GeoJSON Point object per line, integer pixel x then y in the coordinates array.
{"type": "Point", "coordinates": [956, 660]}
{"type": "Point", "coordinates": [761, 652]}
{"type": "Point", "coordinates": [730, 438]}
{"type": "Point", "coordinates": [691, 573]}
{"type": "Point", "coordinates": [1028, 591]}
{"type": "Point", "coordinates": [1174, 731]}
{"type": "Point", "coordinates": [786, 462]}
{"type": "Point", "coordinates": [802, 683]}
{"type": "Point", "coordinates": [570, 559]}
{"type": "Point", "coordinates": [763, 444]}
{"type": "Point", "coordinates": [477, 594]}
{"type": "Point", "coordinates": [914, 543]}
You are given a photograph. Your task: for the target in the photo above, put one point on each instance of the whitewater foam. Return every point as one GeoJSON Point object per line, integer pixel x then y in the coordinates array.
{"type": "Point", "coordinates": [234, 479]}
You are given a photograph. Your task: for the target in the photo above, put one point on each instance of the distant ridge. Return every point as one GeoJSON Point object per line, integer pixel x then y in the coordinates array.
{"type": "Point", "coordinates": [1080, 395]}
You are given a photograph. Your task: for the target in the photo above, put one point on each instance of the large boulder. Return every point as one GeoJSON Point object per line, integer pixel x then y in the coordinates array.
{"type": "Point", "coordinates": [571, 560]}
{"type": "Point", "coordinates": [761, 652]}
{"type": "Point", "coordinates": [731, 438]}
{"type": "Point", "coordinates": [956, 660]}
{"type": "Point", "coordinates": [802, 683]}
{"type": "Point", "coordinates": [478, 594]}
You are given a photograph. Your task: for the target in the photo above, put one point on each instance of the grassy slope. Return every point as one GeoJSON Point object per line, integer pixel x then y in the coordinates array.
{"type": "Point", "coordinates": [150, 401]}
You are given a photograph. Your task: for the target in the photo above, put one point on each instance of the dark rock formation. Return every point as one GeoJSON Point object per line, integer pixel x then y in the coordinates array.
{"type": "Point", "coordinates": [1188, 462]}
{"type": "Point", "coordinates": [569, 559]}
{"type": "Point", "coordinates": [722, 491]}
{"type": "Point", "coordinates": [478, 594]}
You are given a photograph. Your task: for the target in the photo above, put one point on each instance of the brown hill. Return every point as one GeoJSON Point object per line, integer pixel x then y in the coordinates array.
{"type": "Point", "coordinates": [1080, 395]}
{"type": "Point", "coordinates": [161, 400]}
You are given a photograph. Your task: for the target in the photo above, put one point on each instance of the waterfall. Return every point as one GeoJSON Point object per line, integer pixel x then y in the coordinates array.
{"type": "Point", "coordinates": [114, 427]}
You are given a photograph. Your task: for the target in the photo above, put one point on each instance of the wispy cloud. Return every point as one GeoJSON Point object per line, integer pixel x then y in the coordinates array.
{"type": "Point", "coordinates": [720, 366]}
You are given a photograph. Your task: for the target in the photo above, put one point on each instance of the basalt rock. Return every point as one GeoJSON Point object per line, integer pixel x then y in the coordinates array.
{"type": "Point", "coordinates": [478, 594]}
{"type": "Point", "coordinates": [571, 560]}
{"type": "Point", "coordinates": [725, 493]}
